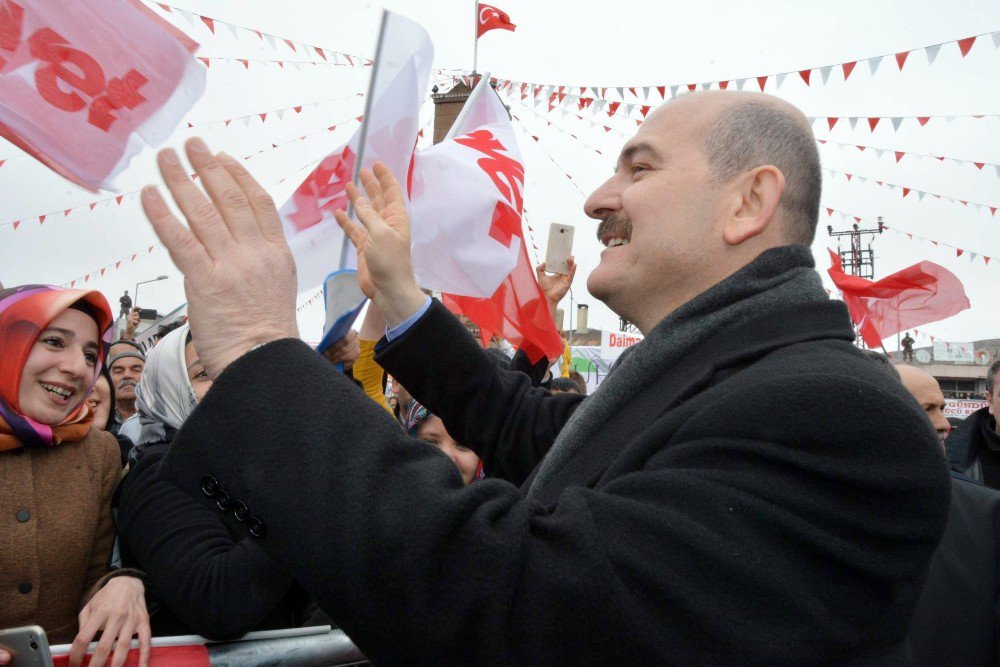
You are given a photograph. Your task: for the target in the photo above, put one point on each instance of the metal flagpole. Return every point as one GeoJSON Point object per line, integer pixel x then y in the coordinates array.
{"type": "Point", "coordinates": [475, 37]}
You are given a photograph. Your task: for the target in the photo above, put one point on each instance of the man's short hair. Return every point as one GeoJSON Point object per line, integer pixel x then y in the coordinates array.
{"type": "Point", "coordinates": [565, 384]}
{"type": "Point", "coordinates": [991, 375]}
{"type": "Point", "coordinates": [751, 134]}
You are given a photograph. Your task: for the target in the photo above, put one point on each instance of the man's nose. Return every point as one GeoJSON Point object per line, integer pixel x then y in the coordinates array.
{"type": "Point", "coordinates": [604, 201]}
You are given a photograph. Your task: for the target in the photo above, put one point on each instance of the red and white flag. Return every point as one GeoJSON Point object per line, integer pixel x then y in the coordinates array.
{"type": "Point", "coordinates": [467, 240]}
{"type": "Point", "coordinates": [491, 18]}
{"type": "Point", "coordinates": [388, 134]}
{"type": "Point", "coordinates": [85, 84]}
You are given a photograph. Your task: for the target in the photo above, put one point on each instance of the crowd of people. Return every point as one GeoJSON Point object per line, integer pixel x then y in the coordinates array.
{"type": "Point", "coordinates": [745, 487]}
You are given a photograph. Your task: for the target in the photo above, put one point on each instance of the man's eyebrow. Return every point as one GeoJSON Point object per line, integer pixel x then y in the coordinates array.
{"type": "Point", "coordinates": [630, 152]}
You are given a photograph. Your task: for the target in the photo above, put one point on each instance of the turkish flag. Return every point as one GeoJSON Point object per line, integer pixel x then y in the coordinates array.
{"type": "Point", "coordinates": [917, 295]}
{"type": "Point", "coordinates": [491, 18]}
{"type": "Point", "coordinates": [84, 84]}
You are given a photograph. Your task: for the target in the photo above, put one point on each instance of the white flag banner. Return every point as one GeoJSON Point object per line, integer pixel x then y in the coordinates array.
{"type": "Point", "coordinates": [387, 134]}
{"type": "Point", "coordinates": [466, 239]}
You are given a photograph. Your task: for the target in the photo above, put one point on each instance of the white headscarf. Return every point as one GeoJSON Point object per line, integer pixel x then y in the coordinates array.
{"type": "Point", "coordinates": [164, 392]}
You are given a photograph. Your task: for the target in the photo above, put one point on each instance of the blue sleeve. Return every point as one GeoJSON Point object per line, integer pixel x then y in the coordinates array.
{"type": "Point", "coordinates": [405, 325]}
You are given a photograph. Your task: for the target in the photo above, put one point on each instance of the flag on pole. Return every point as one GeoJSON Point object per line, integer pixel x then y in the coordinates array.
{"type": "Point", "coordinates": [491, 18]}
{"type": "Point", "coordinates": [917, 295]}
{"type": "Point", "coordinates": [84, 84]}
{"type": "Point", "coordinates": [388, 134]}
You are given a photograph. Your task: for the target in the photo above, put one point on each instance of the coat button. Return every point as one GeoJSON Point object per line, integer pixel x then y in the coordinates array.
{"type": "Point", "coordinates": [23, 515]}
{"type": "Point", "coordinates": [24, 587]}
{"type": "Point", "coordinates": [209, 486]}
{"type": "Point", "coordinates": [223, 502]}
{"type": "Point", "coordinates": [241, 511]}
{"type": "Point", "coordinates": [256, 527]}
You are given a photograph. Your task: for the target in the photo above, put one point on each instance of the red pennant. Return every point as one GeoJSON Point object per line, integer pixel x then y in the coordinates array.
{"type": "Point", "coordinates": [872, 122]}
{"type": "Point", "coordinates": [535, 137]}
{"type": "Point", "coordinates": [228, 121]}
{"type": "Point", "coordinates": [332, 128]}
{"type": "Point", "coordinates": [17, 223]}
{"type": "Point", "coordinates": [41, 219]}
{"type": "Point", "coordinates": [965, 44]}
{"type": "Point", "coordinates": [613, 108]}
{"type": "Point", "coordinates": [320, 52]}
{"type": "Point", "coordinates": [723, 85]}
{"type": "Point", "coordinates": [360, 118]}
{"type": "Point", "coordinates": [964, 203]}
{"type": "Point", "coordinates": [849, 177]}
{"type": "Point", "coordinates": [246, 63]}
{"type": "Point", "coordinates": [72, 282]}
{"type": "Point", "coordinates": [906, 191]}
{"type": "Point", "coordinates": [901, 58]}
{"type": "Point", "coordinates": [210, 23]}
{"type": "Point", "coordinates": [281, 64]}
{"type": "Point", "coordinates": [1, 162]}
{"type": "Point", "coordinates": [987, 260]}
{"type": "Point", "coordinates": [291, 45]}
{"type": "Point", "coordinates": [638, 123]}
{"type": "Point", "coordinates": [860, 148]}
{"type": "Point", "coordinates": [857, 219]}
{"type": "Point", "coordinates": [805, 75]}
{"type": "Point", "coordinates": [761, 81]}
{"type": "Point", "coordinates": [86, 278]}
{"type": "Point", "coordinates": [831, 121]}
{"type": "Point", "coordinates": [606, 128]}
{"type": "Point", "coordinates": [66, 212]}
{"type": "Point", "coordinates": [692, 86]}
{"type": "Point", "coordinates": [979, 165]}
{"type": "Point", "coordinates": [205, 61]}
{"type": "Point", "coordinates": [634, 94]}
{"type": "Point", "coordinates": [829, 212]}
{"type": "Point", "coordinates": [151, 248]}
{"type": "Point", "coordinates": [644, 110]}
{"type": "Point", "coordinates": [958, 252]}
{"type": "Point", "coordinates": [164, 7]}
{"type": "Point", "coordinates": [662, 90]}
{"type": "Point", "coordinates": [923, 120]}
{"type": "Point", "coordinates": [297, 109]}
{"type": "Point", "coordinates": [259, 34]}
{"type": "Point", "coordinates": [92, 205]}
{"type": "Point", "coordinates": [102, 272]}
{"type": "Point", "coordinates": [263, 116]}
{"type": "Point", "coordinates": [899, 156]}
{"type": "Point", "coordinates": [822, 141]}
{"type": "Point", "coordinates": [848, 68]}
{"type": "Point", "coordinates": [993, 210]}
{"type": "Point", "coordinates": [134, 256]}
{"type": "Point", "coordinates": [118, 263]}
{"type": "Point", "coordinates": [118, 199]}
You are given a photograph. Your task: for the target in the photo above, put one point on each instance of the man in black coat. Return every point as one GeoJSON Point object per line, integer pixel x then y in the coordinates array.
{"type": "Point", "coordinates": [974, 447]}
{"type": "Point", "coordinates": [733, 493]}
{"type": "Point", "coordinates": [957, 621]}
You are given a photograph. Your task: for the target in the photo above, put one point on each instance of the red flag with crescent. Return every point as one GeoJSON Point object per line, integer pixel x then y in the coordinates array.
{"type": "Point", "coordinates": [491, 18]}
{"type": "Point", "coordinates": [917, 295]}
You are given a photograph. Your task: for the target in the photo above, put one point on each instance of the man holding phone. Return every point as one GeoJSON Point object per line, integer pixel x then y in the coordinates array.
{"type": "Point", "coordinates": [697, 508]}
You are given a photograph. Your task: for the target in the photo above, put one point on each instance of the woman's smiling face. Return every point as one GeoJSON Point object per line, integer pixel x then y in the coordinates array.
{"type": "Point", "coordinates": [59, 371]}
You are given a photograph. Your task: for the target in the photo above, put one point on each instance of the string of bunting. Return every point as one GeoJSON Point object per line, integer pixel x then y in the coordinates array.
{"type": "Point", "coordinates": [551, 159]}
{"type": "Point", "coordinates": [129, 196]}
{"type": "Point", "coordinates": [899, 155]}
{"type": "Point", "coordinates": [567, 133]}
{"type": "Point", "coordinates": [964, 46]}
{"type": "Point", "coordinates": [905, 190]}
{"type": "Point", "coordinates": [843, 215]}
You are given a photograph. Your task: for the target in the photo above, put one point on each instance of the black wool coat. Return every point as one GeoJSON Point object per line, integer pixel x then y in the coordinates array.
{"type": "Point", "coordinates": [771, 500]}
{"type": "Point", "coordinates": [957, 621]}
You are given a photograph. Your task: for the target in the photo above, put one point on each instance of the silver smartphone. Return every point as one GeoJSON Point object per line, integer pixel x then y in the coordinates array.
{"type": "Point", "coordinates": [28, 646]}
{"type": "Point", "coordinates": [559, 249]}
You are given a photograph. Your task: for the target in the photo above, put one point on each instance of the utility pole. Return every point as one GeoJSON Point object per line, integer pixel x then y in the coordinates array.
{"type": "Point", "coordinates": [858, 261]}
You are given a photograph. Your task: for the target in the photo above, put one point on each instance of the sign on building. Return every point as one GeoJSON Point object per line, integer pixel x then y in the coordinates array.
{"type": "Point", "coordinates": [614, 343]}
{"type": "Point", "coordinates": [962, 408]}
{"type": "Point", "coordinates": [960, 353]}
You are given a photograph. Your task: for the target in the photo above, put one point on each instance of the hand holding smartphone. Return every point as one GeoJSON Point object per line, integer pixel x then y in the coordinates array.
{"type": "Point", "coordinates": [27, 646]}
{"type": "Point", "coordinates": [559, 249]}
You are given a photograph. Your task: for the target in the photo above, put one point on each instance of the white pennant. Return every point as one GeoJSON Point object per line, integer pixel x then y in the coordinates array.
{"type": "Point", "coordinates": [187, 16]}
{"type": "Point", "coordinates": [246, 121]}
{"type": "Point", "coordinates": [997, 167]}
{"type": "Point", "coordinates": [621, 92]}
{"type": "Point", "coordinates": [564, 112]}
{"type": "Point", "coordinates": [781, 78]}
{"type": "Point", "coordinates": [598, 105]}
{"type": "Point", "coordinates": [896, 122]}
{"type": "Point", "coordinates": [949, 118]}
{"type": "Point", "coordinates": [673, 91]}
{"type": "Point", "coordinates": [879, 152]}
{"type": "Point", "coordinates": [873, 64]}
{"type": "Point", "coordinates": [232, 30]}
{"type": "Point", "coordinates": [853, 120]}
{"type": "Point", "coordinates": [740, 83]}
{"type": "Point", "coordinates": [595, 92]}
{"type": "Point", "coordinates": [628, 109]}
{"type": "Point", "coordinates": [996, 39]}
{"type": "Point", "coordinates": [932, 52]}
{"type": "Point", "coordinates": [706, 86]}
{"type": "Point", "coordinates": [270, 40]}
{"type": "Point", "coordinates": [280, 113]}
{"type": "Point", "coordinates": [825, 72]}
{"type": "Point", "coordinates": [645, 93]}
{"type": "Point", "coordinates": [861, 179]}
{"type": "Point", "coordinates": [972, 257]}
{"type": "Point", "coordinates": [920, 195]}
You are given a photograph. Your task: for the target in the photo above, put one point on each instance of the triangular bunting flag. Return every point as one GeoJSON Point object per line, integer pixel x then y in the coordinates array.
{"type": "Point", "coordinates": [896, 122]}
{"type": "Point", "coordinates": [246, 63]}
{"type": "Point", "coordinates": [923, 120]}
{"type": "Point", "coordinates": [41, 219]}
{"type": "Point", "coordinates": [958, 252]}
{"type": "Point", "coordinates": [662, 90]}
{"type": "Point", "coordinates": [853, 120]}
{"type": "Point", "coordinates": [232, 30]}
{"type": "Point", "coordinates": [761, 81]}
{"type": "Point", "coordinates": [965, 44]}
{"type": "Point", "coordinates": [741, 84]}
{"type": "Point", "coordinates": [118, 199]}
{"type": "Point", "coordinates": [878, 153]}
{"type": "Point", "coordinates": [209, 22]}
{"type": "Point", "coordinates": [972, 256]}
{"type": "Point", "coordinates": [805, 75]}
{"type": "Point", "coordinates": [848, 68]}
{"type": "Point", "coordinates": [872, 122]}
{"type": "Point", "coordinates": [673, 91]}
{"type": "Point", "coordinates": [291, 45]}
{"type": "Point", "coordinates": [873, 64]}
{"type": "Point", "coordinates": [824, 73]}
{"type": "Point", "coordinates": [831, 121]}
{"type": "Point", "coordinates": [204, 61]}
{"type": "Point", "coordinates": [17, 223]}
{"type": "Point", "coordinates": [780, 79]}
{"type": "Point", "coordinates": [932, 52]}
{"type": "Point", "coordinates": [899, 156]}
{"type": "Point", "coordinates": [692, 86]}
{"type": "Point", "coordinates": [901, 58]}
{"type": "Point", "coordinates": [906, 191]}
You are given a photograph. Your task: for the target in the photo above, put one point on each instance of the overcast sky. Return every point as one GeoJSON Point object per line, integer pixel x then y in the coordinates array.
{"type": "Point", "coordinates": [625, 43]}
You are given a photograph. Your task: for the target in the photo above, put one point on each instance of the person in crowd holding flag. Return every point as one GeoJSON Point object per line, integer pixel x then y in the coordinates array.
{"type": "Point", "coordinates": [204, 568]}
{"type": "Point", "coordinates": [697, 508]}
{"type": "Point", "coordinates": [59, 472]}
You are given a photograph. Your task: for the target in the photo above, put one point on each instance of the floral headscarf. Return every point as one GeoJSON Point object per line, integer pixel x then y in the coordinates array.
{"type": "Point", "coordinates": [25, 311]}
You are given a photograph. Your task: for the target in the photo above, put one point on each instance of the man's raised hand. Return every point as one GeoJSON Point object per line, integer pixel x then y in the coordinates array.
{"type": "Point", "coordinates": [239, 274]}
{"type": "Point", "coordinates": [385, 267]}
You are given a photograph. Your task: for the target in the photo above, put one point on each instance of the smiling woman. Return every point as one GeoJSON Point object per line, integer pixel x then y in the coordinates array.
{"type": "Point", "coordinates": [59, 474]}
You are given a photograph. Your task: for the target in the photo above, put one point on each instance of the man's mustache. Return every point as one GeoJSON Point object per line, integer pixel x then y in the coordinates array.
{"type": "Point", "coordinates": [615, 225]}
{"type": "Point", "coordinates": [126, 382]}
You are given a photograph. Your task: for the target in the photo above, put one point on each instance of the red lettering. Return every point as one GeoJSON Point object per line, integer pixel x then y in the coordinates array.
{"type": "Point", "coordinates": [50, 46]}
{"type": "Point", "coordinates": [11, 25]}
{"type": "Point", "coordinates": [497, 164]}
{"type": "Point", "coordinates": [121, 94]}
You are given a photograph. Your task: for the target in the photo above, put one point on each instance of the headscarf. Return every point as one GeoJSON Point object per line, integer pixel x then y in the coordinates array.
{"type": "Point", "coordinates": [416, 415]}
{"type": "Point", "coordinates": [25, 311]}
{"type": "Point", "coordinates": [164, 397]}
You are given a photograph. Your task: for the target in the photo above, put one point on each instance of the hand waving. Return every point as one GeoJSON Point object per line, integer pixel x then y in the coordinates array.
{"type": "Point", "coordinates": [385, 268]}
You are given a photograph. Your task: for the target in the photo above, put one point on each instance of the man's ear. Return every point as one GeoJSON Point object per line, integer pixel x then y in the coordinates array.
{"type": "Point", "coordinates": [759, 192]}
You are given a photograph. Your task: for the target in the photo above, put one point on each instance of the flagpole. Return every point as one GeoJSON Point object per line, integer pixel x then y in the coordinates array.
{"type": "Point", "coordinates": [475, 36]}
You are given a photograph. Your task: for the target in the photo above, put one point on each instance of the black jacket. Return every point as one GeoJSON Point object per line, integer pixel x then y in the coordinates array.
{"type": "Point", "coordinates": [208, 575]}
{"type": "Point", "coordinates": [751, 507]}
{"type": "Point", "coordinates": [958, 616]}
{"type": "Point", "coordinates": [964, 443]}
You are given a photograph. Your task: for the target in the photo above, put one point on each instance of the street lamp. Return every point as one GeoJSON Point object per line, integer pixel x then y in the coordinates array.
{"type": "Point", "coordinates": [143, 282]}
